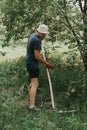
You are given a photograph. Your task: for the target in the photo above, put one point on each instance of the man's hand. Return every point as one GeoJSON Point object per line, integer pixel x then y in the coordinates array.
{"type": "Point", "coordinates": [49, 66]}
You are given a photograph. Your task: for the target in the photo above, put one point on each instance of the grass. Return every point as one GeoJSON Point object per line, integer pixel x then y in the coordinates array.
{"type": "Point", "coordinates": [12, 52]}
{"type": "Point", "coordinates": [70, 92]}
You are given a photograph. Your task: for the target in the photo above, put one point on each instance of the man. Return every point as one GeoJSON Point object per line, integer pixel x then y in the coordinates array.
{"type": "Point", "coordinates": [32, 59]}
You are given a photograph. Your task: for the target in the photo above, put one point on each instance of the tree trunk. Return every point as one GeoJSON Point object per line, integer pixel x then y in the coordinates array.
{"type": "Point", "coordinates": [85, 34]}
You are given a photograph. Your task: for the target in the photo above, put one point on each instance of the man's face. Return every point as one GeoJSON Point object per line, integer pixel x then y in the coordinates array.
{"type": "Point", "coordinates": [42, 35]}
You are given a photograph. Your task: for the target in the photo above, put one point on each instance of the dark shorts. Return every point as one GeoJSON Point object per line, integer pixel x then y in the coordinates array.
{"type": "Point", "coordinates": [33, 73]}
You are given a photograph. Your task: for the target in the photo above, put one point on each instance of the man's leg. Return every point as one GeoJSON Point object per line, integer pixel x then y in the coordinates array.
{"type": "Point", "coordinates": [29, 87]}
{"type": "Point", "coordinates": [33, 91]}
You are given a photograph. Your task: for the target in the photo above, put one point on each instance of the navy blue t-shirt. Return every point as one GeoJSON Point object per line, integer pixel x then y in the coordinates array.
{"type": "Point", "coordinates": [34, 43]}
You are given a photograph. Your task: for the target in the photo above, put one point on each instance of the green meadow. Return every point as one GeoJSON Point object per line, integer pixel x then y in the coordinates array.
{"type": "Point", "coordinates": [69, 83]}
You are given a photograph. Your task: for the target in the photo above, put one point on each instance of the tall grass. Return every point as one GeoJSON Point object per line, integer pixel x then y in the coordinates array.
{"type": "Point", "coordinates": [70, 92]}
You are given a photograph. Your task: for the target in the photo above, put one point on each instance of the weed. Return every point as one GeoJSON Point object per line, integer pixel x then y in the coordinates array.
{"type": "Point", "coordinates": [70, 92]}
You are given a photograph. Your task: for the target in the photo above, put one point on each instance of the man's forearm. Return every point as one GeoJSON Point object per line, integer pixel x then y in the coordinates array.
{"type": "Point", "coordinates": [39, 57]}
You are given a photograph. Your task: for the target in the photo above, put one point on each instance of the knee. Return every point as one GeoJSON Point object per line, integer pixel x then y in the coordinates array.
{"type": "Point", "coordinates": [35, 83]}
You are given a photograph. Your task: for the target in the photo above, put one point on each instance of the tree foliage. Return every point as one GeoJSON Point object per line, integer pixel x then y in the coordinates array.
{"type": "Point", "coordinates": [66, 19]}
{"type": "Point", "coordinates": [22, 16]}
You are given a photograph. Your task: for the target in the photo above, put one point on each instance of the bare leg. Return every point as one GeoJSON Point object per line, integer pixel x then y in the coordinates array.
{"type": "Point", "coordinates": [33, 91]}
{"type": "Point", "coordinates": [29, 87]}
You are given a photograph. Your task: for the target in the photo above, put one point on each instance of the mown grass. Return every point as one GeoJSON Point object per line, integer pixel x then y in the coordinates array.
{"type": "Point", "coordinates": [70, 92]}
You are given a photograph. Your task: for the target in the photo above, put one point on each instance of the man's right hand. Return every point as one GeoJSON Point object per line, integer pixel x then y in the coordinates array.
{"type": "Point", "coordinates": [49, 66]}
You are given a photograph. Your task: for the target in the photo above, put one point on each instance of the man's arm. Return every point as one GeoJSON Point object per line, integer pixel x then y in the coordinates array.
{"type": "Point", "coordinates": [40, 59]}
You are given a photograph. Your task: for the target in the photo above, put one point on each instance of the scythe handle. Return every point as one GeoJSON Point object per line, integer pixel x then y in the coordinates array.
{"type": "Point", "coordinates": [49, 80]}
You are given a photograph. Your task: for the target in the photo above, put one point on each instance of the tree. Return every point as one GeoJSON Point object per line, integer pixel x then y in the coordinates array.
{"type": "Point", "coordinates": [70, 21]}
{"type": "Point", "coordinates": [84, 11]}
{"type": "Point", "coordinates": [22, 16]}
{"type": "Point", "coordinates": [82, 44]}
{"type": "Point", "coordinates": [67, 20]}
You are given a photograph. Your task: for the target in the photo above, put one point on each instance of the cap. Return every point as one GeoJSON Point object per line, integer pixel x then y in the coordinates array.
{"type": "Point", "coordinates": [43, 29]}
